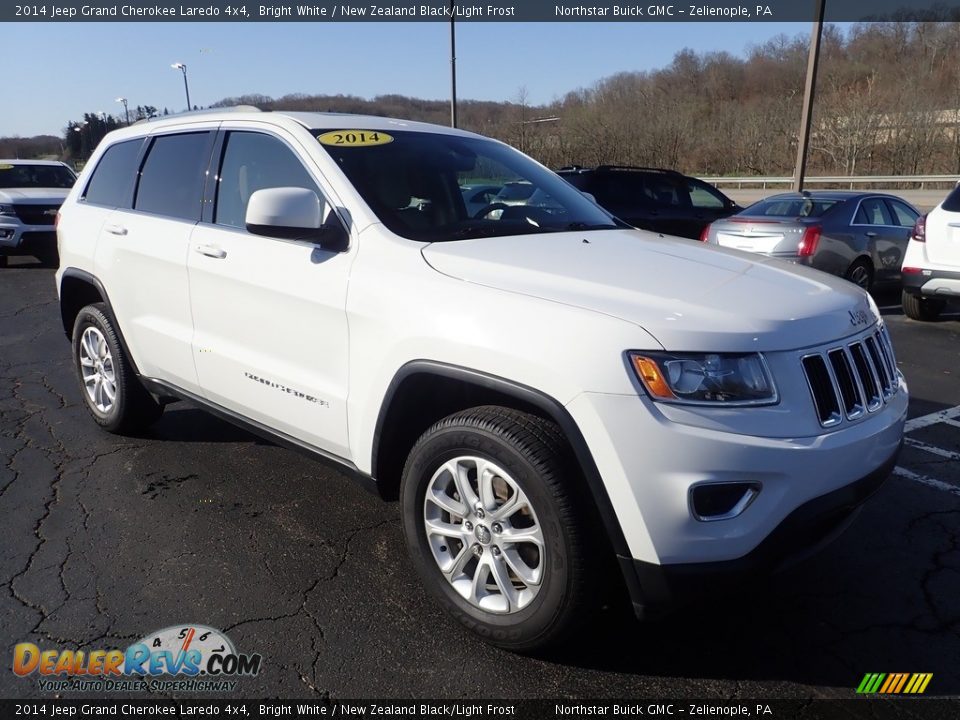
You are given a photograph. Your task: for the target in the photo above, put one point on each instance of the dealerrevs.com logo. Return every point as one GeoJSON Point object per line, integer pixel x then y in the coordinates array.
{"type": "Point", "coordinates": [191, 658]}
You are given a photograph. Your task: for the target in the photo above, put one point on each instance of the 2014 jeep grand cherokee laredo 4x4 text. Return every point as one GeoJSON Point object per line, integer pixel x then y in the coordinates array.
{"type": "Point", "coordinates": [544, 387]}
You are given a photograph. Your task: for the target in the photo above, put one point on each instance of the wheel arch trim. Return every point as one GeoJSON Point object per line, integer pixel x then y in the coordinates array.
{"type": "Point", "coordinates": [551, 407]}
{"type": "Point", "coordinates": [90, 279]}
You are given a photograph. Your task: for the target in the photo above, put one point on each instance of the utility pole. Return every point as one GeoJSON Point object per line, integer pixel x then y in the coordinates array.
{"type": "Point", "coordinates": [813, 60]}
{"type": "Point", "coordinates": [453, 65]}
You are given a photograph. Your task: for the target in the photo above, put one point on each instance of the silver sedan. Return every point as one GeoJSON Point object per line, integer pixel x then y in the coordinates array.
{"type": "Point", "coordinates": [857, 235]}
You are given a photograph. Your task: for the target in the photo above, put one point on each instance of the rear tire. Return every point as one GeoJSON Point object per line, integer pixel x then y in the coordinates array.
{"type": "Point", "coordinates": [916, 307]}
{"type": "Point", "coordinates": [496, 528]}
{"type": "Point", "coordinates": [4, 261]}
{"type": "Point", "coordinates": [109, 386]}
{"type": "Point", "coordinates": [860, 273]}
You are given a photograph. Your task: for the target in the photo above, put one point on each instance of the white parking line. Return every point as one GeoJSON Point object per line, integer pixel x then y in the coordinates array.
{"type": "Point", "coordinates": [932, 419]}
{"type": "Point", "coordinates": [947, 417]}
{"type": "Point", "coordinates": [948, 454]}
{"type": "Point", "coordinates": [926, 480]}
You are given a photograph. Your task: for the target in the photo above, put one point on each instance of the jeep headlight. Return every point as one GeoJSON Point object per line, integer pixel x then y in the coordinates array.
{"type": "Point", "coordinates": [718, 379]}
{"type": "Point", "coordinates": [7, 210]}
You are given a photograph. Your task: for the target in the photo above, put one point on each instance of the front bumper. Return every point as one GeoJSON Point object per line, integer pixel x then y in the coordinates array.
{"type": "Point", "coordinates": [17, 238]}
{"type": "Point", "coordinates": [805, 531]}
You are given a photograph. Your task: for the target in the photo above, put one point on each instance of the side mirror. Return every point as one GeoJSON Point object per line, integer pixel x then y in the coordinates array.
{"type": "Point", "coordinates": [589, 196]}
{"type": "Point", "coordinates": [292, 213]}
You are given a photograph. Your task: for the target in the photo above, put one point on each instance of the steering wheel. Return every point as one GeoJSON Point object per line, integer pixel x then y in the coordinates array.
{"type": "Point", "coordinates": [487, 209]}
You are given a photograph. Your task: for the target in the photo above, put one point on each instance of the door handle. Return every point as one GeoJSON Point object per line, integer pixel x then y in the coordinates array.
{"type": "Point", "coordinates": [870, 233]}
{"type": "Point", "coordinates": [211, 251]}
{"type": "Point", "coordinates": [116, 229]}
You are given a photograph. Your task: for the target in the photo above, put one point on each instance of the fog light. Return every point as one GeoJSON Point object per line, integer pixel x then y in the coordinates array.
{"type": "Point", "coordinates": [721, 501]}
{"type": "Point", "coordinates": [4, 233]}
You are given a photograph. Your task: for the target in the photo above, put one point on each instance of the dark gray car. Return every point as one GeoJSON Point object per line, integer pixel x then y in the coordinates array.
{"type": "Point", "coordinates": [857, 235]}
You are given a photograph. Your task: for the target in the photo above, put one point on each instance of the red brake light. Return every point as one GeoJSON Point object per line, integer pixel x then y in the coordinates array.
{"type": "Point", "coordinates": [56, 220]}
{"type": "Point", "coordinates": [705, 233]}
{"type": "Point", "coordinates": [809, 241]}
{"type": "Point", "coordinates": [920, 229]}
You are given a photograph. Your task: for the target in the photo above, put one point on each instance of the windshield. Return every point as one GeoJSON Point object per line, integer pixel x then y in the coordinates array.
{"type": "Point", "coordinates": [791, 207]}
{"type": "Point", "coordinates": [414, 183]}
{"type": "Point", "coordinates": [35, 176]}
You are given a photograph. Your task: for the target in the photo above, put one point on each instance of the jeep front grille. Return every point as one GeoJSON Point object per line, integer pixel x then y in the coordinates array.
{"type": "Point", "coordinates": [849, 381]}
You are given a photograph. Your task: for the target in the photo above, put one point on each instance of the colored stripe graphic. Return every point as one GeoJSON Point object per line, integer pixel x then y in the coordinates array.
{"type": "Point", "coordinates": [903, 680]}
{"type": "Point", "coordinates": [894, 683]}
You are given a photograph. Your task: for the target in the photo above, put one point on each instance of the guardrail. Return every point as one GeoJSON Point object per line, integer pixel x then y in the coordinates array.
{"type": "Point", "coordinates": [850, 180]}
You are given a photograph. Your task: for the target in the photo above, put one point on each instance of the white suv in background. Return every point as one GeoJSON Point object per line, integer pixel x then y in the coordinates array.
{"type": "Point", "coordinates": [31, 192]}
{"type": "Point", "coordinates": [549, 392]}
{"type": "Point", "coordinates": [931, 264]}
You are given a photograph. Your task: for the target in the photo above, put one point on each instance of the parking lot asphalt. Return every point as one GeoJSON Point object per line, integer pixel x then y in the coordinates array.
{"type": "Point", "coordinates": [106, 539]}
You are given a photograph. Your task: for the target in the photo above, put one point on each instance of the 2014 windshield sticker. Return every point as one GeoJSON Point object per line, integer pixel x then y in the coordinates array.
{"type": "Point", "coordinates": [181, 658]}
{"type": "Point", "coordinates": [354, 138]}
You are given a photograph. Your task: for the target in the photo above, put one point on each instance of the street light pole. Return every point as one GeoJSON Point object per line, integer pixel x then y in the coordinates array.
{"type": "Point", "coordinates": [813, 59]}
{"type": "Point", "coordinates": [186, 88]}
{"type": "Point", "coordinates": [126, 110]}
{"type": "Point", "coordinates": [453, 66]}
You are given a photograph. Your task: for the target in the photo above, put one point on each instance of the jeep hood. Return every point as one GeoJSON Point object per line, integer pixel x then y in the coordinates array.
{"type": "Point", "coordinates": [37, 196]}
{"type": "Point", "coordinates": [689, 296]}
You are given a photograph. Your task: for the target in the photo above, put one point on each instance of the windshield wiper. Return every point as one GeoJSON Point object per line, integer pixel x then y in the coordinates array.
{"type": "Point", "coordinates": [485, 230]}
{"type": "Point", "coordinates": [587, 226]}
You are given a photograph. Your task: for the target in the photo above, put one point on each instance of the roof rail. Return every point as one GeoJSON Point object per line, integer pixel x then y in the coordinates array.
{"type": "Point", "coordinates": [639, 167]}
{"type": "Point", "coordinates": [207, 111]}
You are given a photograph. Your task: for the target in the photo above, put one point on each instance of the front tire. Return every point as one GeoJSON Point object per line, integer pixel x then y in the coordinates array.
{"type": "Point", "coordinates": [916, 307]}
{"type": "Point", "coordinates": [109, 386]}
{"type": "Point", "coordinates": [495, 526]}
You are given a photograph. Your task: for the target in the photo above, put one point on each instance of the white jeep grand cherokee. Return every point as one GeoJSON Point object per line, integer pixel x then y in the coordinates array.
{"type": "Point", "coordinates": [544, 387]}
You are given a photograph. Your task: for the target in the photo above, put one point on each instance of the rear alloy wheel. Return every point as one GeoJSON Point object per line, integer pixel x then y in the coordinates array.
{"type": "Point", "coordinates": [493, 526]}
{"type": "Point", "coordinates": [111, 390]}
{"type": "Point", "coordinates": [861, 275]}
{"type": "Point", "coordinates": [916, 307]}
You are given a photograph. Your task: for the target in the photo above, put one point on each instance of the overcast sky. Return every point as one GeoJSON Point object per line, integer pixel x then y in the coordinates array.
{"type": "Point", "coordinates": [60, 70]}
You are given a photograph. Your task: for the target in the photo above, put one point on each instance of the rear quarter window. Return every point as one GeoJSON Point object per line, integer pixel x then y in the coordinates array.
{"type": "Point", "coordinates": [952, 202]}
{"type": "Point", "coordinates": [112, 181]}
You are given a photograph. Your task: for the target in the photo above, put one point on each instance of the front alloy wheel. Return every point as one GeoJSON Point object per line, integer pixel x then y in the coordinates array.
{"type": "Point", "coordinates": [497, 524]}
{"type": "Point", "coordinates": [484, 535]}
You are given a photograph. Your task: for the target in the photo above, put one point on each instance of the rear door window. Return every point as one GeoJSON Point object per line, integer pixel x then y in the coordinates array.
{"type": "Point", "coordinates": [666, 191]}
{"type": "Point", "coordinates": [111, 184]}
{"type": "Point", "coordinates": [873, 211]}
{"type": "Point", "coordinates": [171, 182]}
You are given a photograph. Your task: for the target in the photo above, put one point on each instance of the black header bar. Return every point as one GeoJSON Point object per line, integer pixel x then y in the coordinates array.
{"type": "Point", "coordinates": [476, 11]}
